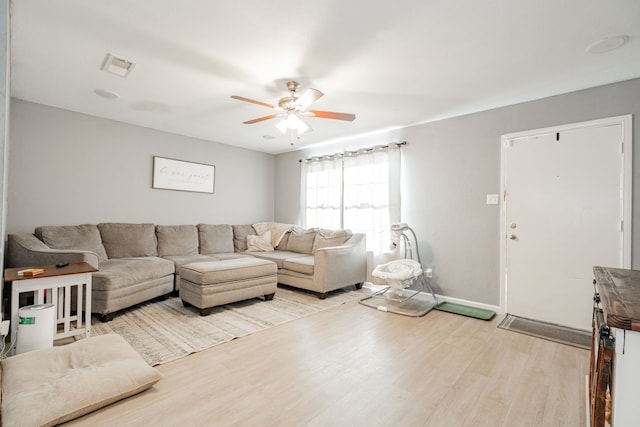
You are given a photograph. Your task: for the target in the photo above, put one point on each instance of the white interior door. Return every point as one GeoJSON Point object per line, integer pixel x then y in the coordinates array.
{"type": "Point", "coordinates": [563, 213]}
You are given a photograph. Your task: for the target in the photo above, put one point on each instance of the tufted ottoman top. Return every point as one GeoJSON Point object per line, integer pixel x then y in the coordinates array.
{"type": "Point", "coordinates": [212, 272]}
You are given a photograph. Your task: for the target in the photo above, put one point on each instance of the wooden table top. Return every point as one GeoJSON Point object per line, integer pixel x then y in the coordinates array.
{"type": "Point", "coordinates": [620, 296]}
{"type": "Point", "coordinates": [11, 274]}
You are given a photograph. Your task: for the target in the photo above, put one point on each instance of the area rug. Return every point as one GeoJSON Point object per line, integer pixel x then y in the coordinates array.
{"type": "Point", "coordinates": [547, 331]}
{"type": "Point", "coordinates": [163, 331]}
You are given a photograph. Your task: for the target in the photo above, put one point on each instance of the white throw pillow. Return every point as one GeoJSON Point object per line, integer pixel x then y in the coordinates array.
{"type": "Point", "coordinates": [260, 243]}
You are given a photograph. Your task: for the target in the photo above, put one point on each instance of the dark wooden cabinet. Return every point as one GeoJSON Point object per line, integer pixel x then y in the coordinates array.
{"type": "Point", "coordinates": [615, 351]}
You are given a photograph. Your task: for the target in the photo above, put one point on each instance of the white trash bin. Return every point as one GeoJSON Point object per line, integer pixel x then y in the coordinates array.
{"type": "Point", "coordinates": [35, 327]}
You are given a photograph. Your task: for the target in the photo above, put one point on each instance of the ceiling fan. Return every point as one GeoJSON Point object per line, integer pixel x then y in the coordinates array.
{"type": "Point", "coordinates": [294, 109]}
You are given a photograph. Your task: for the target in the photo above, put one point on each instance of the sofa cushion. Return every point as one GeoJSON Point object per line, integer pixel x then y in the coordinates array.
{"type": "Point", "coordinates": [240, 233]}
{"type": "Point", "coordinates": [215, 239]}
{"type": "Point", "coordinates": [177, 240]}
{"type": "Point", "coordinates": [180, 260]}
{"type": "Point", "coordinates": [51, 386]}
{"type": "Point", "coordinates": [188, 259]}
{"type": "Point", "coordinates": [84, 237]}
{"type": "Point", "coordinates": [260, 243]}
{"type": "Point", "coordinates": [301, 240]}
{"type": "Point", "coordinates": [276, 256]}
{"type": "Point", "coordinates": [328, 238]}
{"type": "Point", "coordinates": [302, 264]}
{"type": "Point", "coordinates": [124, 272]}
{"type": "Point", "coordinates": [123, 240]}
{"type": "Point", "coordinates": [277, 229]}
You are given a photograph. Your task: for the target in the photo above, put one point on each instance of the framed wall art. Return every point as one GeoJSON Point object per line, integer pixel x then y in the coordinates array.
{"type": "Point", "coordinates": [171, 174]}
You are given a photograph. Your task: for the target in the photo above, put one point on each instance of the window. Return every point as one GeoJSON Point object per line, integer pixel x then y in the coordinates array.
{"type": "Point", "coordinates": [355, 190]}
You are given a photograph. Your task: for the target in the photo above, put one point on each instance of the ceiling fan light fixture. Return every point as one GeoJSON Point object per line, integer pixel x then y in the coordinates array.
{"type": "Point", "coordinates": [282, 125]}
{"type": "Point", "coordinates": [302, 127]}
{"type": "Point", "coordinates": [293, 122]}
{"type": "Point", "coordinates": [293, 110]}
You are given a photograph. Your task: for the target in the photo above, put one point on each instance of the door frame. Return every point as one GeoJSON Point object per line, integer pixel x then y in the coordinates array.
{"type": "Point", "coordinates": [626, 148]}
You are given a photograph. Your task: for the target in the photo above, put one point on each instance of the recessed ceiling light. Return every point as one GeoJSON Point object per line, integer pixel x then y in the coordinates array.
{"type": "Point", "coordinates": [607, 44]}
{"type": "Point", "coordinates": [107, 94]}
{"type": "Point", "coordinates": [118, 66]}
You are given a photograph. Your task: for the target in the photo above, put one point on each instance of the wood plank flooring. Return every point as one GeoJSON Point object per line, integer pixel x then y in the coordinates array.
{"type": "Point", "coordinates": [356, 366]}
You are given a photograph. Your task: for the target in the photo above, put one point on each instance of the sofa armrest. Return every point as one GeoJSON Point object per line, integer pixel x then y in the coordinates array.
{"type": "Point", "coordinates": [345, 264]}
{"type": "Point", "coordinates": [26, 250]}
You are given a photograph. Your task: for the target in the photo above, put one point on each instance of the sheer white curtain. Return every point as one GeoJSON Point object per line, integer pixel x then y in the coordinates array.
{"type": "Point", "coordinates": [372, 194]}
{"type": "Point", "coordinates": [356, 190]}
{"type": "Point", "coordinates": [322, 192]}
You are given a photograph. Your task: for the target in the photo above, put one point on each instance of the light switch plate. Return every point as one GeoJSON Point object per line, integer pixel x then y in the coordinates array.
{"type": "Point", "coordinates": [492, 199]}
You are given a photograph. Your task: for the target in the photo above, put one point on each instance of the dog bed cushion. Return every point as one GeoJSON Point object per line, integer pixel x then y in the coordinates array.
{"type": "Point", "coordinates": [51, 386]}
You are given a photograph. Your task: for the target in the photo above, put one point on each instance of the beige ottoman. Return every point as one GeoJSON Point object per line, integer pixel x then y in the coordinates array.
{"type": "Point", "coordinates": [211, 283]}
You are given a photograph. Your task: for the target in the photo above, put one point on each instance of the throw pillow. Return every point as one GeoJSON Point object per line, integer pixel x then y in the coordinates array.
{"type": "Point", "coordinates": [301, 240]}
{"type": "Point", "coordinates": [328, 238]}
{"type": "Point", "coordinates": [240, 233]}
{"type": "Point", "coordinates": [260, 243]}
{"type": "Point", "coordinates": [282, 245]}
{"type": "Point", "coordinates": [277, 229]}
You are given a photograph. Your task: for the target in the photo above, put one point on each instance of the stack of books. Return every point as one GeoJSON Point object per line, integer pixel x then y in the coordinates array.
{"type": "Point", "coordinates": [30, 272]}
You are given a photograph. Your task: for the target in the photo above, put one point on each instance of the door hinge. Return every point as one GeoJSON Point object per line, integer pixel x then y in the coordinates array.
{"type": "Point", "coordinates": [621, 226]}
{"type": "Point", "coordinates": [622, 148]}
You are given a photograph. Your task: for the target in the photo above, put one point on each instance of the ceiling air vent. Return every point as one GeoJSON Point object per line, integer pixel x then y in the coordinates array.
{"type": "Point", "coordinates": [118, 66]}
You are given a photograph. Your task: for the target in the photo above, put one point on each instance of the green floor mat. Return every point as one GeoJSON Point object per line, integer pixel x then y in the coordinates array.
{"type": "Point", "coordinates": [478, 313]}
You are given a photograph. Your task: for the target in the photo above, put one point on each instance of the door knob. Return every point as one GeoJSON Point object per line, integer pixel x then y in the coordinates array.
{"type": "Point", "coordinates": [512, 237]}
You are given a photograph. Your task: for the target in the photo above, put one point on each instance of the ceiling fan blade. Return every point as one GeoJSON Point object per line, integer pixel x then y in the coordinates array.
{"type": "Point", "coordinates": [253, 101]}
{"type": "Point", "coordinates": [332, 115]}
{"type": "Point", "coordinates": [308, 97]}
{"type": "Point", "coordinates": [260, 119]}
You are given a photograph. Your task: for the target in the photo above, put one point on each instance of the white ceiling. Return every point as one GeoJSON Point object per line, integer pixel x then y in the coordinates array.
{"type": "Point", "coordinates": [393, 64]}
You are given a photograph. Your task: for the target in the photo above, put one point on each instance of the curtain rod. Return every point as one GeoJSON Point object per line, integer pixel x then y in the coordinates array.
{"type": "Point", "coordinates": [381, 147]}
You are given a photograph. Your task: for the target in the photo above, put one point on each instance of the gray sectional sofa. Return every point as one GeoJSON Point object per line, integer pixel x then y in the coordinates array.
{"type": "Point", "coordinates": [140, 262]}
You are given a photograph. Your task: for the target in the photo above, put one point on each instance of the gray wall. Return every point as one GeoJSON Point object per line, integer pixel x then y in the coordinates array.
{"type": "Point", "coordinates": [70, 168]}
{"type": "Point", "coordinates": [449, 167]}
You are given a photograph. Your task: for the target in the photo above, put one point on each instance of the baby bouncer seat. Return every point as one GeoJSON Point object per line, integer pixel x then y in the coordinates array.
{"type": "Point", "coordinates": [408, 291]}
{"type": "Point", "coordinates": [399, 274]}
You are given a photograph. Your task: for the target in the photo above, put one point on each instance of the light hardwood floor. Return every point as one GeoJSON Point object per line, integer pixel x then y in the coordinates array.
{"type": "Point", "coordinates": [356, 366]}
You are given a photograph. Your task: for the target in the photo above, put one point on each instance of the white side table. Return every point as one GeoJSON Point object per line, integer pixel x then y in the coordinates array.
{"type": "Point", "coordinates": [54, 286]}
